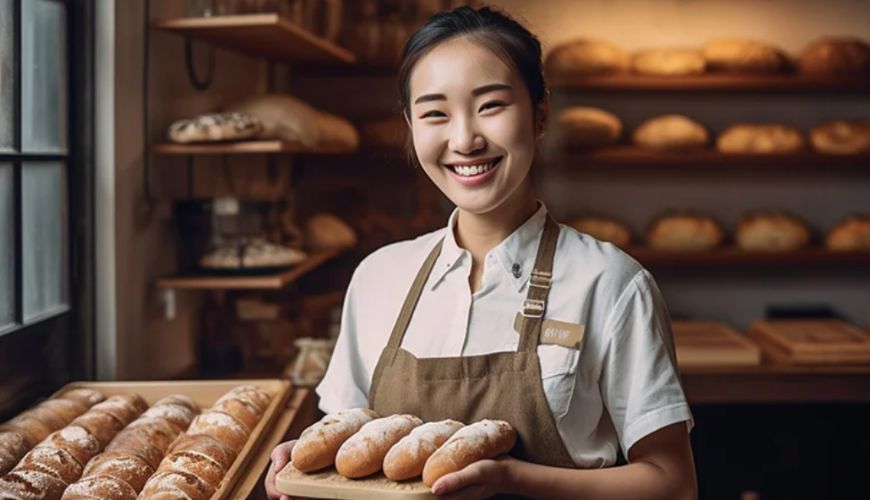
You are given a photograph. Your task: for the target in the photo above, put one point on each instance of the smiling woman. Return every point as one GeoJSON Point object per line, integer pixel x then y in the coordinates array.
{"type": "Point", "coordinates": [454, 324]}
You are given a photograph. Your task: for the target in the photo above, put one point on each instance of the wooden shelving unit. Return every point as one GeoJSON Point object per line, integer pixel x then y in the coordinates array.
{"type": "Point", "coordinates": [261, 35]}
{"type": "Point", "coordinates": [243, 147]}
{"type": "Point", "coordinates": [266, 282]}
{"type": "Point", "coordinates": [633, 156]}
{"type": "Point", "coordinates": [712, 82]}
{"type": "Point", "coordinates": [737, 257]}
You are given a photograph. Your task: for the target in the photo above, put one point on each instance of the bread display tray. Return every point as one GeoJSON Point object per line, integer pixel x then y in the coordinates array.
{"type": "Point", "coordinates": [329, 484]}
{"type": "Point", "coordinates": [205, 392]}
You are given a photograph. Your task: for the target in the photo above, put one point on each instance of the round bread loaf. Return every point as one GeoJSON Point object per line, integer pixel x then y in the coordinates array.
{"type": "Point", "coordinates": [760, 138]}
{"type": "Point", "coordinates": [671, 132]}
{"type": "Point", "coordinates": [222, 427]}
{"type": "Point", "coordinates": [584, 57]}
{"type": "Point", "coordinates": [76, 441]}
{"type": "Point", "coordinates": [205, 445]}
{"type": "Point", "coordinates": [103, 426]}
{"type": "Point", "coordinates": [177, 415]}
{"type": "Point", "coordinates": [685, 232]}
{"type": "Point", "coordinates": [363, 453]}
{"type": "Point", "coordinates": [100, 487]}
{"type": "Point", "coordinates": [319, 443]}
{"type": "Point", "coordinates": [66, 409]}
{"type": "Point", "coordinates": [195, 463]}
{"type": "Point", "coordinates": [668, 62]}
{"type": "Point", "coordinates": [183, 484]}
{"type": "Point", "coordinates": [604, 229]}
{"type": "Point", "coordinates": [771, 232]}
{"type": "Point", "coordinates": [120, 465]}
{"type": "Point", "coordinates": [841, 137]}
{"type": "Point", "coordinates": [241, 410]}
{"type": "Point", "coordinates": [851, 233]}
{"type": "Point", "coordinates": [52, 461]}
{"type": "Point", "coordinates": [743, 56]}
{"type": "Point", "coordinates": [138, 443]}
{"type": "Point", "coordinates": [87, 397]}
{"type": "Point", "coordinates": [478, 441]}
{"type": "Point", "coordinates": [30, 485]}
{"type": "Point", "coordinates": [588, 127]}
{"type": "Point", "coordinates": [406, 459]}
{"type": "Point", "coordinates": [835, 55]}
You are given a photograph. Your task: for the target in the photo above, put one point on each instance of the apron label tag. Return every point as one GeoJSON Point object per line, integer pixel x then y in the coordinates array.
{"type": "Point", "coordinates": [557, 332]}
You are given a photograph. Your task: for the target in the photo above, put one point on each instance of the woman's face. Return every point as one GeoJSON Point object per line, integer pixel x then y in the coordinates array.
{"type": "Point", "coordinates": [472, 122]}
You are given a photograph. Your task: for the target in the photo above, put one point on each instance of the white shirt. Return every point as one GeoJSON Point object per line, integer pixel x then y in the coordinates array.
{"type": "Point", "coordinates": [620, 386]}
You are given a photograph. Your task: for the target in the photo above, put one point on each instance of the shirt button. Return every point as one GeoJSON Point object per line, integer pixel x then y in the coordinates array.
{"type": "Point", "coordinates": [515, 269]}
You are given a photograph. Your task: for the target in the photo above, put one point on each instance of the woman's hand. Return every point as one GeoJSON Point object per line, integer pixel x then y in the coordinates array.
{"type": "Point", "coordinates": [482, 479]}
{"type": "Point", "coordinates": [280, 457]}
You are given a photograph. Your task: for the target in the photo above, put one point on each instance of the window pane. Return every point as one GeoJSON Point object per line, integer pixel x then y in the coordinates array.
{"type": "Point", "coordinates": [7, 245]}
{"type": "Point", "coordinates": [7, 75]}
{"type": "Point", "coordinates": [44, 237]}
{"type": "Point", "coordinates": [43, 77]}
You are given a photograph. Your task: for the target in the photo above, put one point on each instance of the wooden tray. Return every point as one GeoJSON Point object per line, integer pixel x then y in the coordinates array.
{"type": "Point", "coordinates": [805, 341]}
{"type": "Point", "coordinates": [711, 343]}
{"type": "Point", "coordinates": [205, 393]}
{"type": "Point", "coordinates": [328, 484]}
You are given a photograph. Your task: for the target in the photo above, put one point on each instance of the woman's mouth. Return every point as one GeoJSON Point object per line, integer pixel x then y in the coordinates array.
{"type": "Point", "coordinates": [473, 173]}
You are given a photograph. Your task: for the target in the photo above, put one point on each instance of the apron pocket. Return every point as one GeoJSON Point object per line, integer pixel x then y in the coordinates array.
{"type": "Point", "coordinates": [558, 369]}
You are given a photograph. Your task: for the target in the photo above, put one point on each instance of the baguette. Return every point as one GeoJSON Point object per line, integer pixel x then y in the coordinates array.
{"type": "Point", "coordinates": [363, 453]}
{"type": "Point", "coordinates": [319, 443]}
{"type": "Point", "coordinates": [407, 458]}
{"type": "Point", "coordinates": [478, 441]}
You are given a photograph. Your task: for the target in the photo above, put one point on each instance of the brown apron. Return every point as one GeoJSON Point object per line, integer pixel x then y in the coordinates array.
{"type": "Point", "coordinates": [502, 385]}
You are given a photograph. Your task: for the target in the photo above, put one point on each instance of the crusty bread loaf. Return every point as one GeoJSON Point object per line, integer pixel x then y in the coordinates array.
{"type": "Point", "coordinates": [221, 426]}
{"type": "Point", "coordinates": [103, 426]}
{"type": "Point", "coordinates": [204, 445]}
{"type": "Point", "coordinates": [843, 137]}
{"type": "Point", "coordinates": [30, 485]}
{"type": "Point", "coordinates": [66, 409]}
{"type": "Point", "coordinates": [52, 461]}
{"type": "Point", "coordinates": [406, 459]}
{"type": "Point", "coordinates": [835, 55]}
{"type": "Point", "coordinates": [588, 127]}
{"type": "Point", "coordinates": [760, 138]}
{"type": "Point", "coordinates": [99, 487]}
{"type": "Point", "coordinates": [478, 441]}
{"type": "Point", "coordinates": [87, 397]}
{"type": "Point", "coordinates": [177, 415]}
{"type": "Point", "coordinates": [180, 484]}
{"type": "Point", "coordinates": [76, 441]}
{"type": "Point", "coordinates": [215, 127]}
{"type": "Point", "coordinates": [771, 232]}
{"type": "Point", "coordinates": [124, 408]}
{"type": "Point", "coordinates": [583, 57]}
{"type": "Point", "coordinates": [671, 132]}
{"type": "Point", "coordinates": [363, 453]}
{"type": "Point", "coordinates": [685, 232]}
{"type": "Point", "coordinates": [852, 233]}
{"type": "Point", "coordinates": [201, 466]}
{"type": "Point", "coordinates": [604, 229]}
{"type": "Point", "coordinates": [668, 62]}
{"type": "Point", "coordinates": [32, 429]}
{"type": "Point", "coordinates": [319, 443]}
{"type": "Point", "coordinates": [120, 465]}
{"type": "Point", "coordinates": [743, 56]}
{"type": "Point", "coordinates": [13, 446]}
{"type": "Point", "coordinates": [249, 394]}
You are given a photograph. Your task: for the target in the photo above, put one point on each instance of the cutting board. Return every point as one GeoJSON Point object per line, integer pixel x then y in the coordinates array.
{"type": "Point", "coordinates": [711, 343]}
{"type": "Point", "coordinates": [329, 484]}
{"type": "Point", "coordinates": [812, 341]}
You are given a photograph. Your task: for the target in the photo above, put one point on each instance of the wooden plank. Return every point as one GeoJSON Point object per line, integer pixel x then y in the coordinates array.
{"type": "Point", "coordinates": [243, 147]}
{"type": "Point", "coordinates": [329, 484]}
{"type": "Point", "coordinates": [634, 156]}
{"type": "Point", "coordinates": [261, 35]}
{"type": "Point", "coordinates": [805, 341]}
{"type": "Point", "coordinates": [711, 343]}
{"type": "Point", "coordinates": [713, 82]}
{"type": "Point", "coordinates": [268, 282]}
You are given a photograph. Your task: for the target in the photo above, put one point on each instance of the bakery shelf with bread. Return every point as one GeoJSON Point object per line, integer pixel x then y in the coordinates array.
{"type": "Point", "coordinates": [262, 35]}
{"type": "Point", "coordinates": [713, 83]}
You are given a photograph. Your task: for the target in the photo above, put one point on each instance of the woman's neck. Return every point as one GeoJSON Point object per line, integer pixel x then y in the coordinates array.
{"type": "Point", "coordinates": [480, 233]}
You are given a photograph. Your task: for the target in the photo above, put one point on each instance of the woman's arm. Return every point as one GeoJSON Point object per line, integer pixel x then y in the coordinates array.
{"type": "Point", "coordinates": [660, 466]}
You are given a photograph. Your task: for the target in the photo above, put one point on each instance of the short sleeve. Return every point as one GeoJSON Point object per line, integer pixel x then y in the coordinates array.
{"type": "Point", "coordinates": [640, 383]}
{"type": "Point", "coordinates": [345, 384]}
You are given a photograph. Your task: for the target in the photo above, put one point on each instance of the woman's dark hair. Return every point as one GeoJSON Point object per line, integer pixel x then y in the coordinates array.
{"type": "Point", "coordinates": [493, 29]}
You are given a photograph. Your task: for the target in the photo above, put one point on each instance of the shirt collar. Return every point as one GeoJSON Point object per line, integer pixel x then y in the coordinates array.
{"type": "Point", "coordinates": [516, 254]}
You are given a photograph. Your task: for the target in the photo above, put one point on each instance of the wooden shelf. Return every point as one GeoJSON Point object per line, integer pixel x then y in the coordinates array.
{"type": "Point", "coordinates": [735, 256]}
{"type": "Point", "coordinates": [261, 35]}
{"type": "Point", "coordinates": [266, 282]}
{"type": "Point", "coordinates": [242, 147]}
{"type": "Point", "coordinates": [633, 156]}
{"type": "Point", "coordinates": [711, 82]}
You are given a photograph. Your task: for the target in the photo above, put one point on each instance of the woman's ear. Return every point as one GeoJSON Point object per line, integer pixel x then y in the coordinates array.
{"type": "Point", "coordinates": [542, 117]}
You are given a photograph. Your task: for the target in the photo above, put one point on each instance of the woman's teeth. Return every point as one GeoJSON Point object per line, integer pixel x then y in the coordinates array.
{"type": "Point", "coordinates": [472, 170]}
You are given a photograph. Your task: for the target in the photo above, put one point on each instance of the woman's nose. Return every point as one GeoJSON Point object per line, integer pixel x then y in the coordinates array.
{"type": "Point", "coordinates": [464, 137]}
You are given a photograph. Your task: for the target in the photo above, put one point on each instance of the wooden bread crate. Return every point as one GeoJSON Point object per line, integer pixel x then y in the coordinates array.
{"type": "Point", "coordinates": [205, 393]}
{"type": "Point", "coordinates": [329, 484]}
{"type": "Point", "coordinates": [812, 341]}
{"type": "Point", "coordinates": [711, 343]}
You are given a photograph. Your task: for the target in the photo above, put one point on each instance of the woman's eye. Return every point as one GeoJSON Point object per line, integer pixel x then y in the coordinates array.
{"type": "Point", "coordinates": [492, 104]}
{"type": "Point", "coordinates": [433, 114]}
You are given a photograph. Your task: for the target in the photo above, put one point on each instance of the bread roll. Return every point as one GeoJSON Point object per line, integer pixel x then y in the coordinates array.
{"type": "Point", "coordinates": [588, 127]}
{"type": "Point", "coordinates": [743, 56]}
{"type": "Point", "coordinates": [250, 394]}
{"type": "Point", "coordinates": [222, 427]}
{"type": "Point", "coordinates": [103, 426]}
{"type": "Point", "coordinates": [197, 464]}
{"type": "Point", "coordinates": [87, 397]}
{"type": "Point", "coordinates": [99, 487]}
{"type": "Point", "coordinates": [205, 445]}
{"type": "Point", "coordinates": [478, 441]}
{"type": "Point", "coordinates": [841, 137]}
{"type": "Point", "coordinates": [852, 233]}
{"type": "Point", "coordinates": [76, 441]}
{"type": "Point", "coordinates": [30, 485]}
{"type": "Point", "coordinates": [120, 465]}
{"type": "Point", "coordinates": [52, 461]}
{"type": "Point", "coordinates": [66, 409]}
{"type": "Point", "coordinates": [319, 443]}
{"type": "Point", "coordinates": [179, 399]}
{"type": "Point", "coordinates": [771, 232]}
{"type": "Point", "coordinates": [835, 55]}
{"type": "Point", "coordinates": [136, 442]}
{"type": "Point", "coordinates": [363, 453]}
{"type": "Point", "coordinates": [671, 132]}
{"type": "Point", "coordinates": [181, 484]}
{"type": "Point", "coordinates": [584, 57]}
{"type": "Point", "coordinates": [760, 138]}
{"type": "Point", "coordinates": [406, 459]}
{"type": "Point", "coordinates": [685, 232]}
{"type": "Point", "coordinates": [122, 408]}
{"type": "Point", "coordinates": [604, 229]}
{"type": "Point", "coordinates": [176, 414]}
{"type": "Point", "coordinates": [159, 431]}
{"type": "Point", "coordinates": [241, 411]}
{"type": "Point", "coordinates": [668, 62]}
{"type": "Point", "coordinates": [323, 231]}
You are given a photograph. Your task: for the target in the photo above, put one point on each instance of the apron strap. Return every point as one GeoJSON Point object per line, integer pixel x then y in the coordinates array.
{"type": "Point", "coordinates": [535, 304]}
{"type": "Point", "coordinates": [411, 300]}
